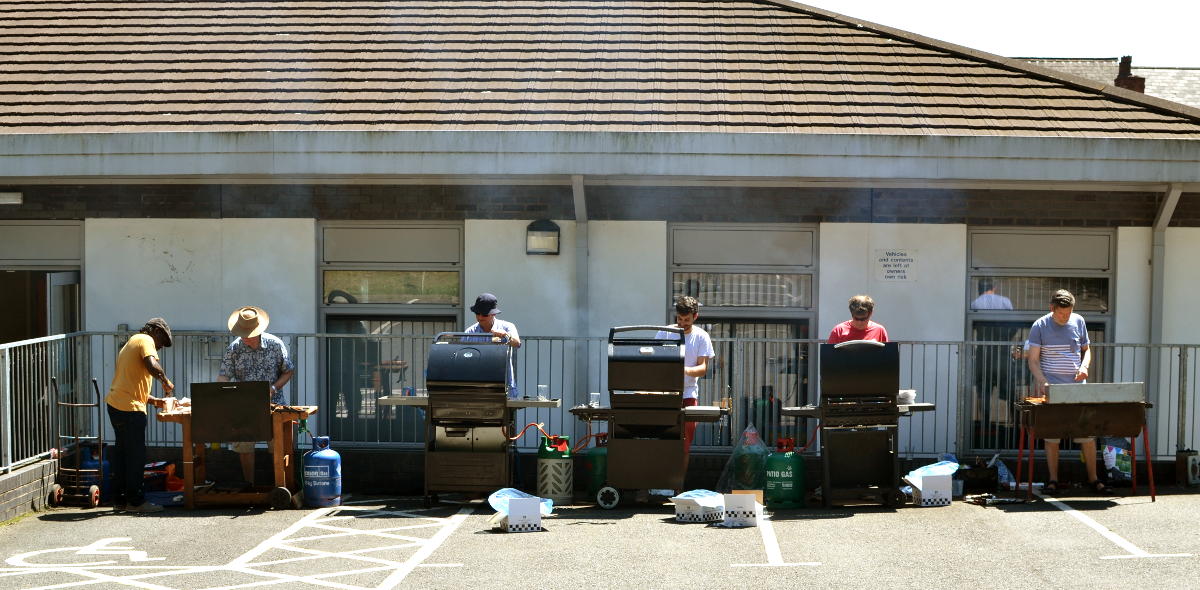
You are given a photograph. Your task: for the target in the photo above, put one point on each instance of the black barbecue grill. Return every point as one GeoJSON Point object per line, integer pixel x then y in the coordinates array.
{"type": "Point", "coordinates": [466, 447]}
{"type": "Point", "coordinates": [468, 415]}
{"type": "Point", "coordinates": [646, 417]}
{"type": "Point", "coordinates": [859, 421]}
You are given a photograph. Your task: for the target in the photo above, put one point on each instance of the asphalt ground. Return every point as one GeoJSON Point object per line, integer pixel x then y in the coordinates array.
{"type": "Point", "coordinates": [1080, 540]}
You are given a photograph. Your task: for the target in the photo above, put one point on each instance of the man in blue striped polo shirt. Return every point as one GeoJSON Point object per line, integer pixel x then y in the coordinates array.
{"type": "Point", "coordinates": [1059, 353]}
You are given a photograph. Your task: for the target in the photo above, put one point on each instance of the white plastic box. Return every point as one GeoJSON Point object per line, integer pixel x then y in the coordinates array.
{"type": "Point", "coordinates": [930, 490]}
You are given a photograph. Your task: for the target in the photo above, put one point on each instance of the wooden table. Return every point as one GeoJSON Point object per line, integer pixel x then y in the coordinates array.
{"type": "Point", "coordinates": [1083, 419]}
{"type": "Point", "coordinates": [283, 444]}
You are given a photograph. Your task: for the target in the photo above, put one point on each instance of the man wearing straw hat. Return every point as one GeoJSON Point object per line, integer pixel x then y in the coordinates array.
{"type": "Point", "coordinates": [255, 355]}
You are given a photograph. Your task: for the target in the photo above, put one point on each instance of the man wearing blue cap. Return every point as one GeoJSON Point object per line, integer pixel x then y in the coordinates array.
{"type": "Point", "coordinates": [485, 309]}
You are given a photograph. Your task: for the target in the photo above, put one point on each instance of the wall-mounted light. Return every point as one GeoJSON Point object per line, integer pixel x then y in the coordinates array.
{"type": "Point", "coordinates": [541, 237]}
{"type": "Point", "coordinates": [11, 198]}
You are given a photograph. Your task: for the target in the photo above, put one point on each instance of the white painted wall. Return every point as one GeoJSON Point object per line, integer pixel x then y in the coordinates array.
{"type": "Point", "coordinates": [627, 274]}
{"type": "Point", "coordinates": [929, 307]}
{"type": "Point", "coordinates": [194, 272]}
{"type": "Point", "coordinates": [537, 293]}
{"type": "Point", "coordinates": [1182, 283]}
{"type": "Point", "coordinates": [1131, 295]}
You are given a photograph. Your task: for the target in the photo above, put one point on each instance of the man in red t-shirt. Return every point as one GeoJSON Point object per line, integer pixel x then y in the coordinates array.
{"type": "Point", "coordinates": [860, 326]}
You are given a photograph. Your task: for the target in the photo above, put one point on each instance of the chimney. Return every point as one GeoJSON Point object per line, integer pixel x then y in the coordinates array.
{"type": "Point", "coordinates": [1126, 79]}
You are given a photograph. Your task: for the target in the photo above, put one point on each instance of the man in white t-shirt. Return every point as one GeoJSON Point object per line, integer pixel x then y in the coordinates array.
{"type": "Point", "coordinates": [697, 352]}
{"type": "Point", "coordinates": [485, 309]}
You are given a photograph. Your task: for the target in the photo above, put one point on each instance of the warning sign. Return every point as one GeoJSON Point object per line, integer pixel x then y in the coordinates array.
{"type": "Point", "coordinates": [895, 264]}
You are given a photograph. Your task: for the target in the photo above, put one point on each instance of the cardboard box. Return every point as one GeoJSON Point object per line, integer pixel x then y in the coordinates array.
{"type": "Point", "coordinates": [524, 515]}
{"type": "Point", "coordinates": [758, 494]}
{"type": "Point", "coordinates": [741, 510]}
{"type": "Point", "coordinates": [930, 490]}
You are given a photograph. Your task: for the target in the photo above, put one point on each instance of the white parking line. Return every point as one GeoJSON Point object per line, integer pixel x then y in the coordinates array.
{"type": "Point", "coordinates": [771, 543]}
{"type": "Point", "coordinates": [318, 525]}
{"type": "Point", "coordinates": [1134, 551]}
{"type": "Point", "coordinates": [430, 546]}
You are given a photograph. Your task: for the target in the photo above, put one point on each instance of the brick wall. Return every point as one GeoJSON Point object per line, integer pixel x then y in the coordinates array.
{"type": "Point", "coordinates": [684, 204]}
{"type": "Point", "coordinates": [25, 490]}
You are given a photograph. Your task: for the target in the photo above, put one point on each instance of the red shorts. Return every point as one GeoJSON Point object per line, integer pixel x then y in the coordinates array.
{"type": "Point", "coordinates": [689, 428]}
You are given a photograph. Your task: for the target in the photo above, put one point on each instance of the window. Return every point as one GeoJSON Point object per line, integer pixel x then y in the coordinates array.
{"type": "Point", "coordinates": [1012, 275]}
{"type": "Point", "coordinates": [386, 290]}
{"type": "Point", "coordinates": [397, 268]}
{"type": "Point", "coordinates": [409, 287]}
{"type": "Point", "coordinates": [756, 284]}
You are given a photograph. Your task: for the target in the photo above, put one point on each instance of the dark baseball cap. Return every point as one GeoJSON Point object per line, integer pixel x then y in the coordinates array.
{"type": "Point", "coordinates": [486, 304]}
{"type": "Point", "coordinates": [160, 325]}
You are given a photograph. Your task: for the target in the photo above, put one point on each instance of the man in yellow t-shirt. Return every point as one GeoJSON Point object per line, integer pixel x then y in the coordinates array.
{"type": "Point", "coordinates": [137, 368]}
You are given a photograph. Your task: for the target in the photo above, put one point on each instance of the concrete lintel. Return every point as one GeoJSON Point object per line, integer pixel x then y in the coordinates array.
{"type": "Point", "coordinates": [701, 155]}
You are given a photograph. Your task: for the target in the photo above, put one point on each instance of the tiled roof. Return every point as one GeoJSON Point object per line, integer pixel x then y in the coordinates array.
{"type": "Point", "coordinates": [1180, 85]}
{"type": "Point", "coordinates": [1100, 69]}
{"type": "Point", "coordinates": [572, 65]}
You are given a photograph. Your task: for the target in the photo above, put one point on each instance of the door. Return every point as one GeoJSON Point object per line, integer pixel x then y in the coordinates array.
{"type": "Point", "coordinates": [369, 357]}
{"type": "Point", "coordinates": [769, 371]}
{"type": "Point", "coordinates": [62, 302]}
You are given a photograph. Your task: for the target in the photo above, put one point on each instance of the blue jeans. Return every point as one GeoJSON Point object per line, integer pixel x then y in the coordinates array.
{"type": "Point", "coordinates": [129, 458]}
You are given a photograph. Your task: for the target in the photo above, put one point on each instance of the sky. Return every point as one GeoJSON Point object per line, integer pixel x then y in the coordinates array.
{"type": "Point", "coordinates": [1154, 32]}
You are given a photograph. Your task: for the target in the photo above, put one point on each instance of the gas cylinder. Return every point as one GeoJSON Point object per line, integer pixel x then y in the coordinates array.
{"type": "Point", "coordinates": [785, 476]}
{"type": "Point", "coordinates": [595, 465]}
{"type": "Point", "coordinates": [555, 469]}
{"type": "Point", "coordinates": [322, 474]}
{"type": "Point", "coordinates": [89, 458]}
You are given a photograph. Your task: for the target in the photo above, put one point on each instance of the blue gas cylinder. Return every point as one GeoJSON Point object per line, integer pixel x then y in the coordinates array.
{"type": "Point", "coordinates": [322, 474]}
{"type": "Point", "coordinates": [89, 458]}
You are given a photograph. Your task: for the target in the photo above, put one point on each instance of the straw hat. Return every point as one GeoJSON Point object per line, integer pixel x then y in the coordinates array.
{"type": "Point", "coordinates": [249, 321]}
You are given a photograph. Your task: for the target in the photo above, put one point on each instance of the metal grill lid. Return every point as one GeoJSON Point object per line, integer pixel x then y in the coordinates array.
{"type": "Point", "coordinates": [860, 367]}
{"type": "Point", "coordinates": [645, 363]}
{"type": "Point", "coordinates": [459, 360]}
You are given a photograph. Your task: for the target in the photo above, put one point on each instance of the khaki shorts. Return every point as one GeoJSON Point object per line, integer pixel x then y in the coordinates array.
{"type": "Point", "coordinates": [247, 447]}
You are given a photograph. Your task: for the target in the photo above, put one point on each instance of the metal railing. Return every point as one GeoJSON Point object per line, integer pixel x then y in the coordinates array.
{"type": "Point", "coordinates": [29, 418]}
{"type": "Point", "coordinates": [972, 384]}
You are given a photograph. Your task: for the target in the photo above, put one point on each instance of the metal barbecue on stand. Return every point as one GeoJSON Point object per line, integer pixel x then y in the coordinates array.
{"type": "Point", "coordinates": [468, 415]}
{"type": "Point", "coordinates": [646, 417]}
{"type": "Point", "coordinates": [859, 421]}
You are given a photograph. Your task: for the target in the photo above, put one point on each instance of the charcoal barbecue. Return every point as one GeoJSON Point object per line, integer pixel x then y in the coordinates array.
{"type": "Point", "coordinates": [468, 415]}
{"type": "Point", "coordinates": [646, 416]}
{"type": "Point", "coordinates": [859, 421]}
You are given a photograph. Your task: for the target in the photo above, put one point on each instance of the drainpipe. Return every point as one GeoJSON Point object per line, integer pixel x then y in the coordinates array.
{"type": "Point", "coordinates": [1157, 294]}
{"type": "Point", "coordinates": [582, 365]}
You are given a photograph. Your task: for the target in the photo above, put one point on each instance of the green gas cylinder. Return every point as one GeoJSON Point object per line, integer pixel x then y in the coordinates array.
{"type": "Point", "coordinates": [555, 469]}
{"type": "Point", "coordinates": [595, 465]}
{"type": "Point", "coordinates": [785, 476]}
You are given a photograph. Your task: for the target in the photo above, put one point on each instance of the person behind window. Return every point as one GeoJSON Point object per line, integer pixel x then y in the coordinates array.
{"type": "Point", "coordinates": [989, 299]}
